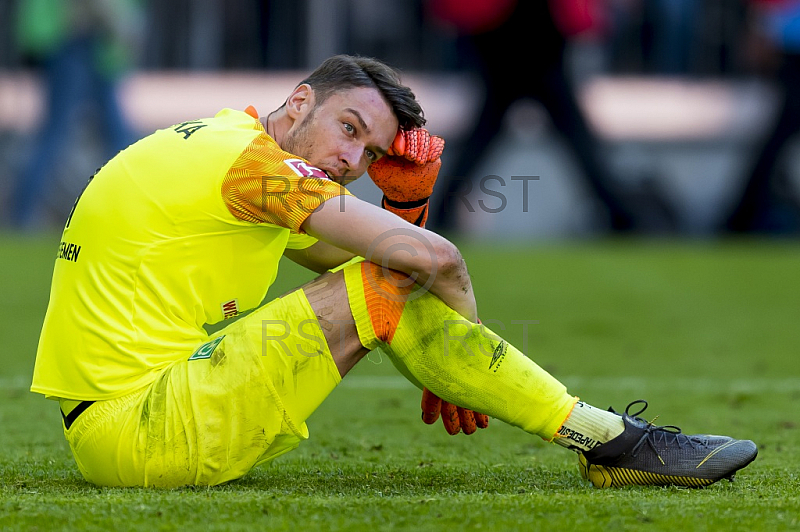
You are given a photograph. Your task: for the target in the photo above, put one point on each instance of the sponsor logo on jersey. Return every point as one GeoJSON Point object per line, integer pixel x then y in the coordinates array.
{"type": "Point", "coordinates": [230, 309]}
{"type": "Point", "coordinates": [303, 169]}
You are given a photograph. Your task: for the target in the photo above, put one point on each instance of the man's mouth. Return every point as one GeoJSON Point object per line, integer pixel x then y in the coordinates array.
{"type": "Point", "coordinates": [333, 176]}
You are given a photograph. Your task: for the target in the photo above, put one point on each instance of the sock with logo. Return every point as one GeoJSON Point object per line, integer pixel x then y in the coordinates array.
{"type": "Point", "coordinates": [587, 427]}
{"type": "Point", "coordinates": [464, 363]}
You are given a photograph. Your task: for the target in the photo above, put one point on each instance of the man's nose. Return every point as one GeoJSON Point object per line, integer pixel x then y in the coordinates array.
{"type": "Point", "coordinates": [349, 157]}
{"type": "Point", "coordinates": [353, 159]}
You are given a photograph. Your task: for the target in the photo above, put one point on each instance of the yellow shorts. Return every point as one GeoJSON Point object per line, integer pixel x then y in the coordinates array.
{"type": "Point", "coordinates": [239, 400]}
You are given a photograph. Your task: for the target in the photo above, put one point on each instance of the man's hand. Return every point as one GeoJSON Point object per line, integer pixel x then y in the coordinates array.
{"type": "Point", "coordinates": [406, 175]}
{"type": "Point", "coordinates": [454, 417]}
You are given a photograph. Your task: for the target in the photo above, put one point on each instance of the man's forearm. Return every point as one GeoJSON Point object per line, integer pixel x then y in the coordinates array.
{"type": "Point", "coordinates": [452, 284]}
{"type": "Point", "coordinates": [383, 238]}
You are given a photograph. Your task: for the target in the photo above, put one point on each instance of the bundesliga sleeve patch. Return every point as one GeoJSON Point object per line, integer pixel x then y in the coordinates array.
{"type": "Point", "coordinates": [303, 169]}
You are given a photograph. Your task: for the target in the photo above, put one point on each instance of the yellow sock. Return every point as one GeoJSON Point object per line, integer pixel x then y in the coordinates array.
{"type": "Point", "coordinates": [587, 427]}
{"type": "Point", "coordinates": [461, 362]}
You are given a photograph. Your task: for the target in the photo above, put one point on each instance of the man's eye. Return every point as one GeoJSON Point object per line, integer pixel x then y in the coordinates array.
{"type": "Point", "coordinates": [371, 155]}
{"type": "Point", "coordinates": [349, 127]}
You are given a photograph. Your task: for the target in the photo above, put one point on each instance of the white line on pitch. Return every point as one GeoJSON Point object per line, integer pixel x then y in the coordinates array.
{"type": "Point", "coordinates": [573, 382]}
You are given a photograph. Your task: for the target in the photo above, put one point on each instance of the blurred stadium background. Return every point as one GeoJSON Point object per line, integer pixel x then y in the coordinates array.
{"type": "Point", "coordinates": [679, 93]}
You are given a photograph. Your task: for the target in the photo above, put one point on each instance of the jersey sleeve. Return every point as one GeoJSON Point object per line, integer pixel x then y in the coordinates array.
{"type": "Point", "coordinates": [268, 185]}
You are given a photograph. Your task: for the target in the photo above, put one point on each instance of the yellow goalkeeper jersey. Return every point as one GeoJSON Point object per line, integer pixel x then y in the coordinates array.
{"type": "Point", "coordinates": [183, 228]}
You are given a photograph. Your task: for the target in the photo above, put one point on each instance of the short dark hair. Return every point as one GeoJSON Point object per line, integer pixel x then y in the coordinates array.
{"type": "Point", "coordinates": [342, 72]}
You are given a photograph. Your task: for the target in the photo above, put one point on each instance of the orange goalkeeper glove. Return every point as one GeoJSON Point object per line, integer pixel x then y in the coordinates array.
{"type": "Point", "coordinates": [406, 175]}
{"type": "Point", "coordinates": [454, 418]}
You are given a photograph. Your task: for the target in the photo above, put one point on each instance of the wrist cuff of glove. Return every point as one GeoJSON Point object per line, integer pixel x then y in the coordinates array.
{"type": "Point", "coordinates": [405, 204]}
{"type": "Point", "coordinates": [415, 212]}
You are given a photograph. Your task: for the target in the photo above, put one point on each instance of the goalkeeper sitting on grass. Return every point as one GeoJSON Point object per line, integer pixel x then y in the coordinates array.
{"type": "Point", "coordinates": [186, 227]}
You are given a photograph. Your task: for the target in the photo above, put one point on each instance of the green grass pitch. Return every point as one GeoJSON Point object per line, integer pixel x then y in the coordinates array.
{"type": "Point", "coordinates": [707, 332]}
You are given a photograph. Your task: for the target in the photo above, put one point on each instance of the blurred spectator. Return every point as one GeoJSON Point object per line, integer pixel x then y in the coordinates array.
{"type": "Point", "coordinates": [766, 203]}
{"type": "Point", "coordinates": [83, 47]}
{"type": "Point", "coordinates": [520, 52]}
{"type": "Point", "coordinates": [654, 36]}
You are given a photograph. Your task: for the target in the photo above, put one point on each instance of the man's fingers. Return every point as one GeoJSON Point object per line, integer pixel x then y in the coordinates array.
{"type": "Point", "coordinates": [467, 420]}
{"type": "Point", "coordinates": [450, 418]}
{"type": "Point", "coordinates": [417, 145]}
{"type": "Point", "coordinates": [481, 420]}
{"type": "Point", "coordinates": [436, 148]}
{"type": "Point", "coordinates": [398, 147]}
{"type": "Point", "coordinates": [454, 418]}
{"type": "Point", "coordinates": [431, 406]}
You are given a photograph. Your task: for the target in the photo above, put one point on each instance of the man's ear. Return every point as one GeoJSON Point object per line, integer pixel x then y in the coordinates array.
{"type": "Point", "coordinates": [300, 101]}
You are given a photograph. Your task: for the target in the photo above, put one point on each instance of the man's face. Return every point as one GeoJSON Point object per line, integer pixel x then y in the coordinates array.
{"type": "Point", "coordinates": [344, 134]}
